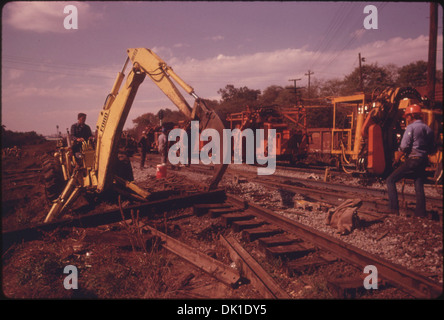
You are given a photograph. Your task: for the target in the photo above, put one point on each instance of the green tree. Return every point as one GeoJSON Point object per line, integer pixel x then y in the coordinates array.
{"type": "Point", "coordinates": [331, 88]}
{"type": "Point", "coordinates": [12, 138]}
{"type": "Point", "coordinates": [144, 120]}
{"type": "Point", "coordinates": [288, 97]}
{"type": "Point", "coordinates": [236, 99]}
{"type": "Point", "coordinates": [315, 90]}
{"type": "Point", "coordinates": [173, 116]}
{"type": "Point", "coordinates": [413, 74]}
{"type": "Point", "coordinates": [232, 94]}
{"type": "Point", "coordinates": [269, 95]}
{"type": "Point", "coordinates": [373, 77]}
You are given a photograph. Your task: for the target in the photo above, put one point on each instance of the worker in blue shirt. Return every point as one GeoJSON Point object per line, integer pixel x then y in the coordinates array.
{"type": "Point", "coordinates": [416, 145]}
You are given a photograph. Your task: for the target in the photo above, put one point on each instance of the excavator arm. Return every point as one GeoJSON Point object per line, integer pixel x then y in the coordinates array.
{"type": "Point", "coordinates": [118, 104]}
{"type": "Point", "coordinates": [100, 175]}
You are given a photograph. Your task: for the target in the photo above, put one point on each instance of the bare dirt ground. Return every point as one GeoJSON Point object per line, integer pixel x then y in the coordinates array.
{"type": "Point", "coordinates": [111, 267]}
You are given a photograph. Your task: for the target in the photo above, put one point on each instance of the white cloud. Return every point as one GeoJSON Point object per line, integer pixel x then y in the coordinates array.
{"type": "Point", "coordinates": [181, 45]}
{"type": "Point", "coordinates": [400, 51]}
{"type": "Point", "coordinates": [45, 17]}
{"type": "Point", "coordinates": [215, 38]}
{"type": "Point", "coordinates": [164, 52]}
{"type": "Point", "coordinates": [262, 69]}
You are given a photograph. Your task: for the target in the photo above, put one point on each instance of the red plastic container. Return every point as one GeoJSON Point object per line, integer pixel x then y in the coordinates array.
{"type": "Point", "coordinates": [161, 171]}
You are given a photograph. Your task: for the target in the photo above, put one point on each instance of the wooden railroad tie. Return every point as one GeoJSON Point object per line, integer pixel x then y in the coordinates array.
{"type": "Point", "coordinates": [261, 232]}
{"type": "Point", "coordinates": [229, 218]}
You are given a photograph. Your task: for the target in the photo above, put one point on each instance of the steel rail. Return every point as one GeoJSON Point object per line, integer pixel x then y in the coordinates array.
{"type": "Point", "coordinates": [411, 282]}
{"type": "Point", "coordinates": [369, 205]}
{"type": "Point", "coordinates": [354, 189]}
{"type": "Point", "coordinates": [111, 216]}
{"type": "Point", "coordinates": [211, 266]}
{"type": "Point", "coordinates": [261, 280]}
{"type": "Point", "coordinates": [382, 194]}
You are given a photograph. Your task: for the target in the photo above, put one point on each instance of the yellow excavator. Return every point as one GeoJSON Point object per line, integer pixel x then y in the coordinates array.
{"type": "Point", "coordinates": [99, 164]}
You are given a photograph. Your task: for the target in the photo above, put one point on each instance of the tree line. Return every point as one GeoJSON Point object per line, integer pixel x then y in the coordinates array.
{"type": "Point", "coordinates": [12, 138]}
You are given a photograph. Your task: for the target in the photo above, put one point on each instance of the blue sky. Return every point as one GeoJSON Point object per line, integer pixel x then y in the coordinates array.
{"type": "Point", "coordinates": [49, 74]}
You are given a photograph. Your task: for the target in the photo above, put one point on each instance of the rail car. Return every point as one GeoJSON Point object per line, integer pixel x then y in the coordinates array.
{"type": "Point", "coordinates": [290, 125]}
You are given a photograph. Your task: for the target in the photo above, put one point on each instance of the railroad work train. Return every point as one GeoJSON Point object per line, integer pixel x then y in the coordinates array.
{"type": "Point", "coordinates": [364, 135]}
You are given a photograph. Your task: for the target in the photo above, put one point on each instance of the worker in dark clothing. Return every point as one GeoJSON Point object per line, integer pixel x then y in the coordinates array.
{"type": "Point", "coordinates": [417, 143]}
{"type": "Point", "coordinates": [143, 144]}
{"type": "Point", "coordinates": [150, 138]}
{"type": "Point", "coordinates": [80, 132]}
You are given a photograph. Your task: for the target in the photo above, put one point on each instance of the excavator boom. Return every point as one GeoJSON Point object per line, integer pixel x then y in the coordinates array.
{"type": "Point", "coordinates": [115, 111]}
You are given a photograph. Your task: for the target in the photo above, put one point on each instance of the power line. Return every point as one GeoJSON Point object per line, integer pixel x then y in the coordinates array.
{"type": "Point", "coordinates": [328, 34]}
{"type": "Point", "coordinates": [335, 28]}
{"type": "Point", "coordinates": [336, 50]}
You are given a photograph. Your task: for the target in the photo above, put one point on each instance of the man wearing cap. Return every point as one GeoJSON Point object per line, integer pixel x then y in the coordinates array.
{"type": "Point", "coordinates": [416, 144]}
{"type": "Point", "coordinates": [80, 132]}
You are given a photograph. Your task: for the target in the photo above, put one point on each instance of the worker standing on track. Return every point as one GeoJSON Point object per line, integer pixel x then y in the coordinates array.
{"type": "Point", "coordinates": [143, 143]}
{"type": "Point", "coordinates": [163, 146]}
{"type": "Point", "coordinates": [417, 143]}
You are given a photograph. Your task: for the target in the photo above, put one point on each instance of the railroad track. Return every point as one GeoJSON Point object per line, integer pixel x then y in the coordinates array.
{"type": "Point", "coordinates": [280, 238]}
{"type": "Point", "coordinates": [256, 223]}
{"type": "Point", "coordinates": [374, 200]}
{"type": "Point", "coordinates": [298, 247]}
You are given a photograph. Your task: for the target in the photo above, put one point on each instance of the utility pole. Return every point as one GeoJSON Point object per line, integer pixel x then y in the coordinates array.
{"type": "Point", "coordinates": [361, 83]}
{"type": "Point", "coordinates": [431, 65]}
{"type": "Point", "coordinates": [295, 88]}
{"type": "Point", "coordinates": [309, 74]}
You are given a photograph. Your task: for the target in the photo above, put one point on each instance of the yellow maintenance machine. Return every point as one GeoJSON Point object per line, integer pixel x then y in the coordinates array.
{"type": "Point", "coordinates": [367, 135]}
{"type": "Point", "coordinates": [100, 162]}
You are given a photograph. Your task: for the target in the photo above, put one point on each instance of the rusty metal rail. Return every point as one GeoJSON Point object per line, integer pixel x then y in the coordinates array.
{"type": "Point", "coordinates": [407, 280]}
{"type": "Point", "coordinates": [328, 190]}
{"type": "Point", "coordinates": [253, 271]}
{"type": "Point", "coordinates": [213, 267]}
{"type": "Point", "coordinates": [377, 193]}
{"type": "Point", "coordinates": [112, 216]}
{"type": "Point", "coordinates": [369, 204]}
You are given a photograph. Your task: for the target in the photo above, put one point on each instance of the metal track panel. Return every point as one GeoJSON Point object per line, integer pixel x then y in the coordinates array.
{"type": "Point", "coordinates": [409, 281]}
{"type": "Point", "coordinates": [112, 216]}
{"type": "Point", "coordinates": [213, 267]}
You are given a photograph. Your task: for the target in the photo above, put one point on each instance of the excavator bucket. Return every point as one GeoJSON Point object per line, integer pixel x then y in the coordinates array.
{"type": "Point", "coordinates": [208, 119]}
